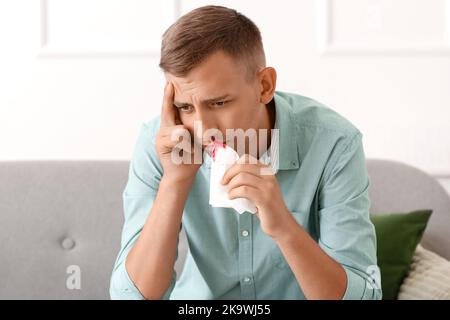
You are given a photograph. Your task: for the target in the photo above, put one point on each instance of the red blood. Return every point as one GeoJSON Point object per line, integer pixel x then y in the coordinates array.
{"type": "Point", "coordinates": [215, 145]}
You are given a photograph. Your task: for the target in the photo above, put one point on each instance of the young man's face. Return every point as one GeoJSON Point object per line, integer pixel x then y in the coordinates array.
{"type": "Point", "coordinates": [218, 93]}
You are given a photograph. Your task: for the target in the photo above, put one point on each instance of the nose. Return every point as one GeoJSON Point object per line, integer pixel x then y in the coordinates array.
{"type": "Point", "coordinates": [209, 127]}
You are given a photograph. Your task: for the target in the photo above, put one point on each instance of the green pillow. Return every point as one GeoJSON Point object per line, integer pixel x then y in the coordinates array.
{"type": "Point", "coordinates": [398, 235]}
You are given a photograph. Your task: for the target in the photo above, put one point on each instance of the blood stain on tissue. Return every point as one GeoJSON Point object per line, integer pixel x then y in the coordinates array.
{"type": "Point", "coordinates": [216, 145]}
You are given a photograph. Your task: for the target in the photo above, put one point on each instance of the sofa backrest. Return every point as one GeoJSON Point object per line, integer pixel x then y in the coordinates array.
{"type": "Point", "coordinates": [60, 217]}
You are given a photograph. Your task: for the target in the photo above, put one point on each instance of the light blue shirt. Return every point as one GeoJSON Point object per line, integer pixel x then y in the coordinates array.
{"type": "Point", "coordinates": [323, 178]}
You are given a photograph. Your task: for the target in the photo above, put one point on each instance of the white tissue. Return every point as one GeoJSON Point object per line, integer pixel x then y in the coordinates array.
{"type": "Point", "coordinates": [224, 157]}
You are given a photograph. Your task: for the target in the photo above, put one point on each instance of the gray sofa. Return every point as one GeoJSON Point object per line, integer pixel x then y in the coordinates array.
{"type": "Point", "coordinates": [58, 214]}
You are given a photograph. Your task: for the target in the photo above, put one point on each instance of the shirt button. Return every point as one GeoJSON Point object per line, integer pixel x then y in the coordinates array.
{"type": "Point", "coordinates": [246, 279]}
{"type": "Point", "coordinates": [245, 233]}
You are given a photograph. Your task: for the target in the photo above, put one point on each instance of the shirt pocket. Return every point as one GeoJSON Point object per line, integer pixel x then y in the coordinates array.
{"type": "Point", "coordinates": [276, 255]}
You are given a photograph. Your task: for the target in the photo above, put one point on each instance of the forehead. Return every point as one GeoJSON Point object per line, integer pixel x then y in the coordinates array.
{"type": "Point", "coordinates": [218, 74]}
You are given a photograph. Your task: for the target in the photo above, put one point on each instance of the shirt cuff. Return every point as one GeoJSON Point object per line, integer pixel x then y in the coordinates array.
{"type": "Point", "coordinates": [358, 289]}
{"type": "Point", "coordinates": [122, 287]}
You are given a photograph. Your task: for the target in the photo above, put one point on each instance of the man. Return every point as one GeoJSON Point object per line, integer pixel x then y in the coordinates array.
{"type": "Point", "coordinates": [311, 237]}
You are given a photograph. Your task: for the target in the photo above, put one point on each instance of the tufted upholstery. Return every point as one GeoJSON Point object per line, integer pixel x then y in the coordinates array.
{"type": "Point", "coordinates": [58, 214]}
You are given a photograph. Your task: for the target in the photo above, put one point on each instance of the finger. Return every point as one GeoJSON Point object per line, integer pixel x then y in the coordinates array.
{"type": "Point", "coordinates": [245, 179]}
{"type": "Point", "coordinates": [168, 112]}
{"type": "Point", "coordinates": [172, 135]}
{"type": "Point", "coordinates": [246, 192]}
{"type": "Point", "coordinates": [236, 168]}
{"type": "Point", "coordinates": [187, 155]}
{"type": "Point", "coordinates": [184, 144]}
{"type": "Point", "coordinates": [168, 142]}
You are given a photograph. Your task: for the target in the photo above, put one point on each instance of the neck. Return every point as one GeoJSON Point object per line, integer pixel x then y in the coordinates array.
{"type": "Point", "coordinates": [268, 123]}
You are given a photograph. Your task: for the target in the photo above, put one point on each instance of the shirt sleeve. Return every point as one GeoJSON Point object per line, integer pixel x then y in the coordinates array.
{"type": "Point", "coordinates": [346, 232]}
{"type": "Point", "coordinates": [140, 191]}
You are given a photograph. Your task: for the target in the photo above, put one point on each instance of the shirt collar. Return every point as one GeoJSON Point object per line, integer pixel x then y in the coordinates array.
{"type": "Point", "coordinates": [288, 155]}
{"type": "Point", "coordinates": [271, 156]}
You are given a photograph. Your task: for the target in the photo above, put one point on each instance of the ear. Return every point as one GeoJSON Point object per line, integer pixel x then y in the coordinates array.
{"type": "Point", "coordinates": [268, 82]}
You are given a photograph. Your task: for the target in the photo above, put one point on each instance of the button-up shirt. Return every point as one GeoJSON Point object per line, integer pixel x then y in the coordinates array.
{"type": "Point", "coordinates": [322, 175]}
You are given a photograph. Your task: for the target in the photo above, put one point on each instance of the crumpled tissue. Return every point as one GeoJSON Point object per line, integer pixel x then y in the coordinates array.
{"type": "Point", "coordinates": [222, 158]}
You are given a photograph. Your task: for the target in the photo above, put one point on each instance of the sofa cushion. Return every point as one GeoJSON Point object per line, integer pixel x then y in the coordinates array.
{"type": "Point", "coordinates": [428, 278]}
{"type": "Point", "coordinates": [397, 237]}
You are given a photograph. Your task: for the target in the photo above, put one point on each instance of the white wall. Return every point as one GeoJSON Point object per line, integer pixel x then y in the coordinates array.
{"type": "Point", "coordinates": [78, 77]}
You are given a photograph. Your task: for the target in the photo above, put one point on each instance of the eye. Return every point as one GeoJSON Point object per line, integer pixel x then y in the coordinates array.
{"type": "Point", "coordinates": [185, 108]}
{"type": "Point", "coordinates": [219, 103]}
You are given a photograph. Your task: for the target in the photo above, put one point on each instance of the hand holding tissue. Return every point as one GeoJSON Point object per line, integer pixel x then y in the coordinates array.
{"type": "Point", "coordinates": [222, 158]}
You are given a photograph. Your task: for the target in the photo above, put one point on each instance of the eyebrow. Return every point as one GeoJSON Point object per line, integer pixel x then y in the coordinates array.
{"type": "Point", "coordinates": [205, 101]}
